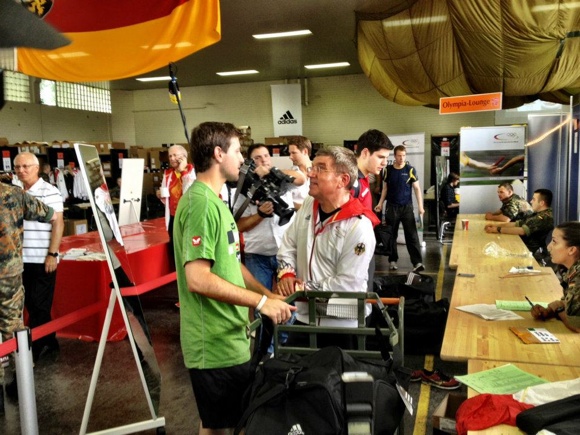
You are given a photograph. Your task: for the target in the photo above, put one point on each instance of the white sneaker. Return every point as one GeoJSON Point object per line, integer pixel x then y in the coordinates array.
{"type": "Point", "coordinates": [418, 268]}
{"type": "Point", "coordinates": [393, 265]}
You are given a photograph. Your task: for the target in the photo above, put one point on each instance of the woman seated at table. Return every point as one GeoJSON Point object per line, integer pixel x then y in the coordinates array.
{"type": "Point", "coordinates": [565, 251]}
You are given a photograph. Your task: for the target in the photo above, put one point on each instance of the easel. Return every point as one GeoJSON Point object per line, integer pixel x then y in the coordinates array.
{"type": "Point", "coordinates": [87, 153]}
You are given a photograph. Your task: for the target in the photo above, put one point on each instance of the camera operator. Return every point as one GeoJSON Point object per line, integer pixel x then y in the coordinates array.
{"type": "Point", "coordinates": [260, 225]}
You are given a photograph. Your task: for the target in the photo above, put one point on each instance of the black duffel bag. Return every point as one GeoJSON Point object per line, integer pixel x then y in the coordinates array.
{"type": "Point", "coordinates": [305, 394]}
{"type": "Point", "coordinates": [394, 286]}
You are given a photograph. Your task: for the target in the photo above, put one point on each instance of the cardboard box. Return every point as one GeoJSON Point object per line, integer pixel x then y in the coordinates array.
{"type": "Point", "coordinates": [154, 159]}
{"type": "Point", "coordinates": [443, 418]}
{"type": "Point", "coordinates": [75, 226]}
{"type": "Point", "coordinates": [151, 182]}
{"type": "Point", "coordinates": [275, 141]}
{"type": "Point", "coordinates": [138, 152]}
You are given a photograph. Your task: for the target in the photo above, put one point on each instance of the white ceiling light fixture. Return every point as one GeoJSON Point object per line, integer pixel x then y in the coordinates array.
{"type": "Point", "coordinates": [237, 73]}
{"type": "Point", "coordinates": [328, 65]}
{"type": "Point", "coordinates": [153, 79]}
{"type": "Point", "coordinates": [283, 34]}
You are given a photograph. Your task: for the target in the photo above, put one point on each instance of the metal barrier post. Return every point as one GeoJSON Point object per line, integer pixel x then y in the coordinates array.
{"type": "Point", "coordinates": [25, 382]}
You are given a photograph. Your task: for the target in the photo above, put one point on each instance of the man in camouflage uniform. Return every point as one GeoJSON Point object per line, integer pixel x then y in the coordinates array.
{"type": "Point", "coordinates": [513, 208]}
{"type": "Point", "coordinates": [534, 228]}
{"type": "Point", "coordinates": [15, 206]}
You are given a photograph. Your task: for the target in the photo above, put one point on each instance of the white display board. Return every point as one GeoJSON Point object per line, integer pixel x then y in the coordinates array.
{"type": "Point", "coordinates": [131, 191]}
{"type": "Point", "coordinates": [487, 156]}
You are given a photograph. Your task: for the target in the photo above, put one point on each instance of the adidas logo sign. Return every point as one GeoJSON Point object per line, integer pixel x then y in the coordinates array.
{"type": "Point", "coordinates": [296, 430]}
{"type": "Point", "coordinates": [287, 118]}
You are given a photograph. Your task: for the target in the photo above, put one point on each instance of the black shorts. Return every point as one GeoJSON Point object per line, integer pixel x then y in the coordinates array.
{"type": "Point", "coordinates": [218, 393]}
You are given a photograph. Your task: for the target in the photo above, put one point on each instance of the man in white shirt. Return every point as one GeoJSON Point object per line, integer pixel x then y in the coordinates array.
{"type": "Point", "coordinates": [40, 251]}
{"type": "Point", "coordinates": [260, 225]}
{"type": "Point", "coordinates": [331, 241]}
{"type": "Point", "coordinates": [300, 148]}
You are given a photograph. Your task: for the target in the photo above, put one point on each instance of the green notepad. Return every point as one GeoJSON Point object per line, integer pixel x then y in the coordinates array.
{"type": "Point", "coordinates": [507, 379]}
{"type": "Point", "coordinates": [517, 305]}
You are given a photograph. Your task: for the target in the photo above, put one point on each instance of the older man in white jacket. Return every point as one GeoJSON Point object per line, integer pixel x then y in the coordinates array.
{"type": "Point", "coordinates": [331, 240]}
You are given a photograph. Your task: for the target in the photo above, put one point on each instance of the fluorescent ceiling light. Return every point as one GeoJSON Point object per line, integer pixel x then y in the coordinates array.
{"type": "Point", "coordinates": [407, 22]}
{"type": "Point", "coordinates": [327, 65]}
{"type": "Point", "coordinates": [282, 34]}
{"type": "Point", "coordinates": [153, 79]}
{"type": "Point", "coordinates": [237, 73]}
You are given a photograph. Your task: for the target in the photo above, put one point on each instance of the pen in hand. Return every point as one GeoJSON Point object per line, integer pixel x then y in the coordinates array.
{"type": "Point", "coordinates": [532, 305]}
{"type": "Point", "coordinates": [530, 302]}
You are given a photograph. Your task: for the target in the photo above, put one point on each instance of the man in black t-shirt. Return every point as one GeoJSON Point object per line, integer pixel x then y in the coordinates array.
{"type": "Point", "coordinates": [400, 182]}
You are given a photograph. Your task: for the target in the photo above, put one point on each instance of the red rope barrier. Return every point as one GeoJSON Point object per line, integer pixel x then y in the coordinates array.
{"type": "Point", "coordinates": [78, 315]}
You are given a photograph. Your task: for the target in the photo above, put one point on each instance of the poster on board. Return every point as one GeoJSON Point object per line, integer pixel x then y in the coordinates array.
{"type": "Point", "coordinates": [131, 191]}
{"type": "Point", "coordinates": [488, 157]}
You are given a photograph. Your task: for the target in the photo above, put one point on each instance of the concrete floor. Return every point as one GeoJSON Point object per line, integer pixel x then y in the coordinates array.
{"type": "Point", "coordinates": [62, 385]}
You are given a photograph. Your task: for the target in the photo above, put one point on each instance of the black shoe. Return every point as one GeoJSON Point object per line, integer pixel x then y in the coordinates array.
{"type": "Point", "coordinates": [12, 389]}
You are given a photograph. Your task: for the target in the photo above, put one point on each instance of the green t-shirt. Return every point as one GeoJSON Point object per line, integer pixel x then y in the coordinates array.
{"type": "Point", "coordinates": [213, 333]}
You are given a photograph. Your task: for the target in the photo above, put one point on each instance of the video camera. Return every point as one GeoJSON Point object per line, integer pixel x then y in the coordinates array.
{"type": "Point", "coordinates": [268, 188]}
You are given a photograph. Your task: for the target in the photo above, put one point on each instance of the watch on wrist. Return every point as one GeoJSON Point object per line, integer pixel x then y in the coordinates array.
{"type": "Point", "coordinates": [53, 254]}
{"type": "Point", "coordinates": [559, 310]}
{"type": "Point", "coordinates": [499, 230]}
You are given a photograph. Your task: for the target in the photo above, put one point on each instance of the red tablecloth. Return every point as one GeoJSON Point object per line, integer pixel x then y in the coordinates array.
{"type": "Point", "coordinates": [82, 283]}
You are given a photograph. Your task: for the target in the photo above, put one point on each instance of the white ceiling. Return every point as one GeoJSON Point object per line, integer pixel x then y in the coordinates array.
{"type": "Point", "coordinates": [332, 23]}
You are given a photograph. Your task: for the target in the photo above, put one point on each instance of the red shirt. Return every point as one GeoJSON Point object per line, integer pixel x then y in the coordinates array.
{"type": "Point", "coordinates": [175, 186]}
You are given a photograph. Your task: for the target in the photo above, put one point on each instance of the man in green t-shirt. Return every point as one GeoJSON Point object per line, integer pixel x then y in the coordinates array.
{"type": "Point", "coordinates": [215, 289]}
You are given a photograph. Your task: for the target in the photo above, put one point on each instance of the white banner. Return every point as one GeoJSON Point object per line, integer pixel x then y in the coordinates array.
{"type": "Point", "coordinates": [287, 109]}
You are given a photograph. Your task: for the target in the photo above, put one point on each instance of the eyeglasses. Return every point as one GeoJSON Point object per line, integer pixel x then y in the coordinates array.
{"type": "Point", "coordinates": [317, 170]}
{"type": "Point", "coordinates": [25, 167]}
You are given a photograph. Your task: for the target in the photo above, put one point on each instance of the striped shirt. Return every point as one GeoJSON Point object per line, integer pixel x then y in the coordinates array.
{"type": "Point", "coordinates": [37, 234]}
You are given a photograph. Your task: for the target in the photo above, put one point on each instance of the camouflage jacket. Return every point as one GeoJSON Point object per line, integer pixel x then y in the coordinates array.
{"type": "Point", "coordinates": [15, 206]}
{"type": "Point", "coordinates": [571, 284]}
{"type": "Point", "coordinates": [537, 227]}
{"type": "Point", "coordinates": [516, 208]}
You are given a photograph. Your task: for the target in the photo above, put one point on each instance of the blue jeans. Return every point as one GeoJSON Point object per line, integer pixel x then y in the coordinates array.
{"type": "Point", "coordinates": [264, 268]}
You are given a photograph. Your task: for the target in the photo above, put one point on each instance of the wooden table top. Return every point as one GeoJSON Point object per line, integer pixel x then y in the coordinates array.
{"type": "Point", "coordinates": [468, 245]}
{"type": "Point", "coordinates": [552, 373]}
{"type": "Point", "coordinates": [468, 336]}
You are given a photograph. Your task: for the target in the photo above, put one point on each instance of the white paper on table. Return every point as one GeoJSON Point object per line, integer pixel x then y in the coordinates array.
{"type": "Point", "coordinates": [489, 312]}
{"type": "Point", "coordinates": [523, 270]}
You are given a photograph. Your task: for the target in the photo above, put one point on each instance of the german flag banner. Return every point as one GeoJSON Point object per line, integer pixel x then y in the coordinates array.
{"type": "Point", "coordinates": [115, 39]}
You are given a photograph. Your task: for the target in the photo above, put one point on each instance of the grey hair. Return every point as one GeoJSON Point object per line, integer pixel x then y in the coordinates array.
{"type": "Point", "coordinates": [179, 147]}
{"type": "Point", "coordinates": [344, 161]}
{"type": "Point", "coordinates": [31, 156]}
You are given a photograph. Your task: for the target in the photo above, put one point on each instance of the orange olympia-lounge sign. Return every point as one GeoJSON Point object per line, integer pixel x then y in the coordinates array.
{"type": "Point", "coordinates": [470, 103]}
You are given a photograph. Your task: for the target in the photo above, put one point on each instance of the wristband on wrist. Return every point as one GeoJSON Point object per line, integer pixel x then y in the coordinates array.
{"type": "Point", "coordinates": [559, 310]}
{"type": "Point", "coordinates": [287, 275]}
{"type": "Point", "coordinates": [261, 303]}
{"type": "Point", "coordinates": [264, 215]}
{"type": "Point", "coordinates": [285, 270]}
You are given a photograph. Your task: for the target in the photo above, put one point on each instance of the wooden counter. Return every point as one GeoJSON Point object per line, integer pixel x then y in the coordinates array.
{"type": "Point", "coordinates": [470, 337]}
{"type": "Point", "coordinates": [467, 248]}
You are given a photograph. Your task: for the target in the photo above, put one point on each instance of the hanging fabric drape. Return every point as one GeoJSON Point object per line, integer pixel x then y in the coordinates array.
{"type": "Point", "coordinates": [114, 39]}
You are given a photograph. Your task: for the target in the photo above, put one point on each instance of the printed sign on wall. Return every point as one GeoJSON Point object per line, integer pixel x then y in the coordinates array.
{"type": "Point", "coordinates": [287, 109]}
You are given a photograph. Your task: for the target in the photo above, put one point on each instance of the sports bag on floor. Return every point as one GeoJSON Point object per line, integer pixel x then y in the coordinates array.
{"type": "Point", "coordinates": [305, 395]}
